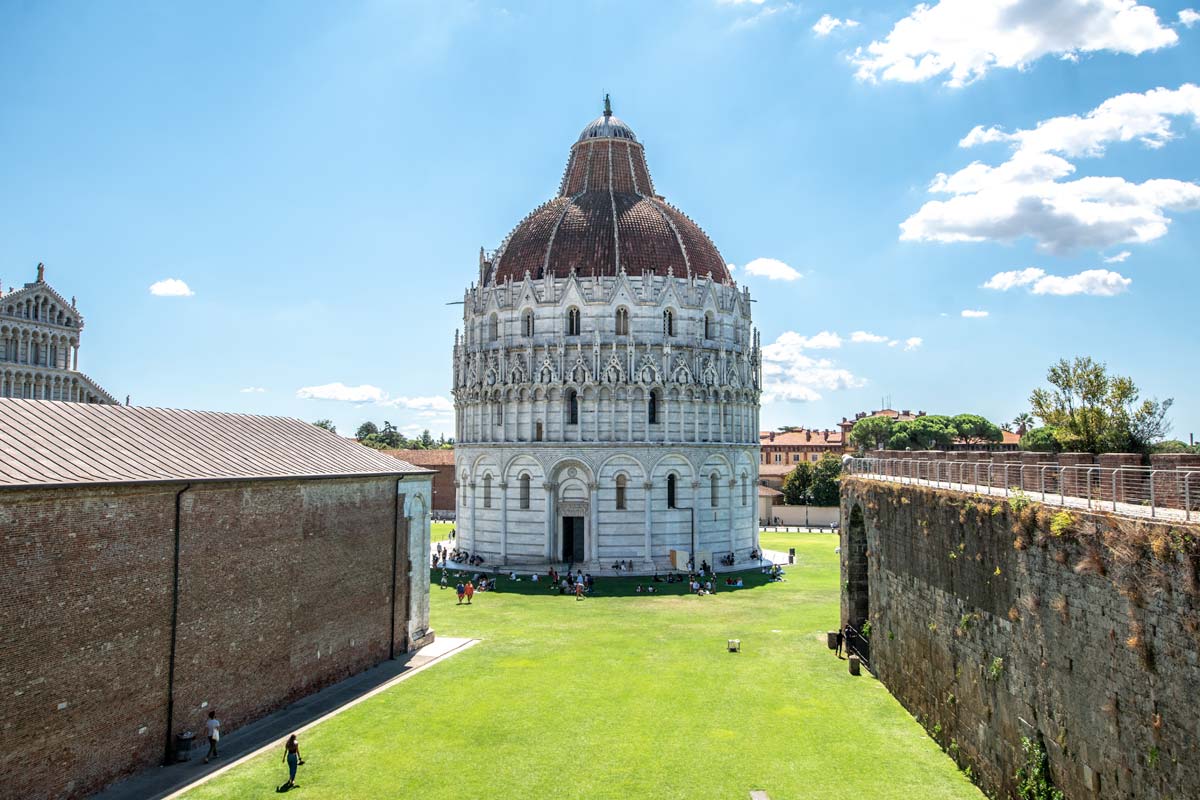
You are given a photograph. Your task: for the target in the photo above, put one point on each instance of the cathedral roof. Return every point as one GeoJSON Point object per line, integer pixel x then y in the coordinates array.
{"type": "Point", "coordinates": [607, 219]}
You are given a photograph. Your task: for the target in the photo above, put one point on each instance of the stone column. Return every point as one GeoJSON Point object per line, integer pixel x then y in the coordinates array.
{"type": "Point", "coordinates": [549, 487]}
{"type": "Point", "coordinates": [594, 533]}
{"type": "Point", "coordinates": [647, 498]}
{"type": "Point", "coordinates": [503, 522]}
{"type": "Point", "coordinates": [471, 531]}
{"type": "Point", "coordinates": [697, 520]}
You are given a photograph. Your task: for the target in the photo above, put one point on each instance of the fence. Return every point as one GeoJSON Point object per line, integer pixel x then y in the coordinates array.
{"type": "Point", "coordinates": [1172, 493]}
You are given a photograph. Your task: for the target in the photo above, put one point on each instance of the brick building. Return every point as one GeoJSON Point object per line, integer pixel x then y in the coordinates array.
{"type": "Point", "coordinates": [156, 564]}
{"type": "Point", "coordinates": [799, 445]}
{"type": "Point", "coordinates": [441, 463]}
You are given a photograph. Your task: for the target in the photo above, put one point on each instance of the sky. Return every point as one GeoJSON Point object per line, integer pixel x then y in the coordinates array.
{"type": "Point", "coordinates": [267, 207]}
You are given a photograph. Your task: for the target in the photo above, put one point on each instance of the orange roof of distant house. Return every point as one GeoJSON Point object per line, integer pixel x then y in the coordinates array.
{"type": "Point", "coordinates": [767, 491]}
{"type": "Point", "coordinates": [803, 436]}
{"type": "Point", "coordinates": [424, 458]}
{"type": "Point", "coordinates": [775, 470]}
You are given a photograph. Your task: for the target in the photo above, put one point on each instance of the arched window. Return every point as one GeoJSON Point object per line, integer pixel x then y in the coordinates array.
{"type": "Point", "coordinates": [487, 490]}
{"type": "Point", "coordinates": [572, 321]}
{"type": "Point", "coordinates": [708, 326]}
{"type": "Point", "coordinates": [745, 485]}
{"type": "Point", "coordinates": [669, 322]}
{"type": "Point", "coordinates": [652, 409]}
{"type": "Point", "coordinates": [620, 493]}
{"type": "Point", "coordinates": [525, 490]}
{"type": "Point", "coordinates": [714, 489]}
{"type": "Point", "coordinates": [498, 414]}
{"type": "Point", "coordinates": [572, 407]}
{"type": "Point", "coordinates": [622, 321]}
{"type": "Point", "coordinates": [671, 490]}
{"type": "Point", "coordinates": [527, 322]}
{"type": "Point", "coordinates": [493, 328]}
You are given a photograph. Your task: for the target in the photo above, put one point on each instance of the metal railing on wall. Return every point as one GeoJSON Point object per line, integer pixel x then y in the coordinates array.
{"type": "Point", "coordinates": [1170, 494]}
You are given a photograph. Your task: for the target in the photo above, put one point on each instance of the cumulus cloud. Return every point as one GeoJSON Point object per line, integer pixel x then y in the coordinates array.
{"type": "Point", "coordinates": [970, 313]}
{"type": "Point", "coordinates": [771, 268]}
{"type": "Point", "coordinates": [364, 393]}
{"type": "Point", "coordinates": [961, 40]}
{"type": "Point", "coordinates": [1029, 196]}
{"type": "Point", "coordinates": [170, 287]}
{"type": "Point", "coordinates": [1095, 282]}
{"type": "Point", "coordinates": [1188, 17]}
{"type": "Point", "coordinates": [789, 373]}
{"type": "Point", "coordinates": [435, 404]}
{"type": "Point", "coordinates": [913, 342]}
{"type": "Point", "coordinates": [1118, 258]}
{"type": "Point", "coordinates": [864, 337]}
{"type": "Point", "coordinates": [827, 24]}
{"type": "Point", "coordinates": [252, 390]}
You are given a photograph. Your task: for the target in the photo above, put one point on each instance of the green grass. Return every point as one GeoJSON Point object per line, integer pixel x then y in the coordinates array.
{"type": "Point", "coordinates": [440, 531]}
{"type": "Point", "coordinates": [627, 695]}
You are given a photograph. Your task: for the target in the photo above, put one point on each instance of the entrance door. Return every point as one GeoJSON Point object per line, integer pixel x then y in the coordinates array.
{"type": "Point", "coordinates": [572, 539]}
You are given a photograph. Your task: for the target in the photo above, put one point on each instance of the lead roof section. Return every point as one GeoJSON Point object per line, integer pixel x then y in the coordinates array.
{"type": "Point", "coordinates": [49, 443]}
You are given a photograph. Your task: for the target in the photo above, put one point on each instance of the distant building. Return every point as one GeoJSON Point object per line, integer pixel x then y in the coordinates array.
{"type": "Point", "coordinates": [799, 445]}
{"type": "Point", "coordinates": [39, 346]}
{"type": "Point", "coordinates": [441, 462]}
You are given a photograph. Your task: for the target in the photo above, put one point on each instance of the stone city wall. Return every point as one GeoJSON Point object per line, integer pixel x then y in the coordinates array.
{"type": "Point", "coordinates": [284, 587]}
{"type": "Point", "coordinates": [994, 620]}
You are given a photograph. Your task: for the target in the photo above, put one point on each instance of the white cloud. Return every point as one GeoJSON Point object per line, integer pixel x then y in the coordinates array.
{"type": "Point", "coordinates": [827, 24]}
{"type": "Point", "coordinates": [771, 268]}
{"type": "Point", "coordinates": [893, 342]}
{"type": "Point", "coordinates": [913, 342]}
{"type": "Point", "coordinates": [973, 313]}
{"type": "Point", "coordinates": [1188, 17]}
{"type": "Point", "coordinates": [864, 337]}
{"type": "Point", "coordinates": [1118, 258]}
{"type": "Point", "coordinates": [790, 374]}
{"type": "Point", "coordinates": [1003, 281]}
{"type": "Point", "coordinates": [1095, 282]}
{"type": "Point", "coordinates": [964, 39]}
{"type": "Point", "coordinates": [170, 287]}
{"type": "Point", "coordinates": [252, 390]}
{"type": "Point", "coordinates": [340, 392]}
{"type": "Point", "coordinates": [765, 11]}
{"type": "Point", "coordinates": [435, 405]}
{"type": "Point", "coordinates": [1028, 196]}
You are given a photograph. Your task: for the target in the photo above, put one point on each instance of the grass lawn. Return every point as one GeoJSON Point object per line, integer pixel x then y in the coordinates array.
{"type": "Point", "coordinates": [627, 695]}
{"type": "Point", "coordinates": [440, 531]}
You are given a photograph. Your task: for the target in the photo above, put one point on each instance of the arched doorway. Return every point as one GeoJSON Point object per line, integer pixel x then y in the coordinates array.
{"type": "Point", "coordinates": [857, 581]}
{"type": "Point", "coordinates": [574, 505]}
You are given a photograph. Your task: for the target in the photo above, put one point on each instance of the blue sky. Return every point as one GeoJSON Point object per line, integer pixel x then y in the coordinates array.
{"type": "Point", "coordinates": [321, 177]}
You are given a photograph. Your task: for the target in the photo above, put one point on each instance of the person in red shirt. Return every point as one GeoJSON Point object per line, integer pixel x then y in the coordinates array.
{"type": "Point", "coordinates": [470, 589]}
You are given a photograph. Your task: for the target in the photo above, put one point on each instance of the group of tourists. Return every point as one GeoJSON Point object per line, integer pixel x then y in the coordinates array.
{"type": "Point", "coordinates": [774, 573]}
{"type": "Point", "coordinates": [576, 583]}
{"type": "Point", "coordinates": [443, 555]}
{"type": "Point", "coordinates": [622, 566]}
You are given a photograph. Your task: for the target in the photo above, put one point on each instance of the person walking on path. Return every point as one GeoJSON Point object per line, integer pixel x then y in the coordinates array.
{"type": "Point", "coordinates": [291, 754]}
{"type": "Point", "coordinates": [212, 729]}
{"type": "Point", "coordinates": [838, 638]}
{"type": "Point", "coordinates": [470, 590]}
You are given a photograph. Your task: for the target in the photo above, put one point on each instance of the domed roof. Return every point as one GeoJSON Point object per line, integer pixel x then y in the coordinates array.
{"type": "Point", "coordinates": [607, 219]}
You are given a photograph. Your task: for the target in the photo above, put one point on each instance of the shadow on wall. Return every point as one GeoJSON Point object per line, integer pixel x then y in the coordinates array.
{"type": "Point", "coordinates": [608, 587]}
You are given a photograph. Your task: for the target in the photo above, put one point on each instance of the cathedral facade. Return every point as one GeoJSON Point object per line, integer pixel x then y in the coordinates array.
{"type": "Point", "coordinates": [39, 346]}
{"type": "Point", "coordinates": [606, 380]}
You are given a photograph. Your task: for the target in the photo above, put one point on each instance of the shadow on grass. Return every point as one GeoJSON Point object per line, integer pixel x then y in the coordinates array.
{"type": "Point", "coordinates": [607, 586]}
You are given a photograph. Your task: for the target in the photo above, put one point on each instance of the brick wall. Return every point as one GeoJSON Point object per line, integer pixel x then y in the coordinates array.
{"type": "Point", "coordinates": [1095, 628]}
{"type": "Point", "coordinates": [285, 586]}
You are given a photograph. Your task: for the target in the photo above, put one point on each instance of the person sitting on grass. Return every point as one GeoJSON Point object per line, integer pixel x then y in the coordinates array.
{"type": "Point", "coordinates": [650, 590]}
{"type": "Point", "coordinates": [638, 589]}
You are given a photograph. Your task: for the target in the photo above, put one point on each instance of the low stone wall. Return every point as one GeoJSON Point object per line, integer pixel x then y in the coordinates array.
{"type": "Point", "coordinates": [823, 516]}
{"type": "Point", "coordinates": [992, 623]}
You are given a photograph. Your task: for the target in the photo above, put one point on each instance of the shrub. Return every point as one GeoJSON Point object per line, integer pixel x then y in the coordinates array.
{"type": "Point", "coordinates": [1018, 501]}
{"type": "Point", "coordinates": [1033, 777]}
{"type": "Point", "coordinates": [996, 669]}
{"type": "Point", "coordinates": [1061, 523]}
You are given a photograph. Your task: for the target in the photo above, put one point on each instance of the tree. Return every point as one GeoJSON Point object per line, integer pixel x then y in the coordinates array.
{"type": "Point", "coordinates": [1041, 440]}
{"type": "Point", "coordinates": [826, 481]}
{"type": "Point", "coordinates": [797, 484]}
{"type": "Point", "coordinates": [426, 439]}
{"type": "Point", "coordinates": [930, 432]}
{"type": "Point", "coordinates": [1022, 423]}
{"type": "Point", "coordinates": [327, 424]}
{"type": "Point", "coordinates": [871, 433]}
{"type": "Point", "coordinates": [1175, 446]}
{"type": "Point", "coordinates": [974, 429]}
{"type": "Point", "coordinates": [789, 428]}
{"type": "Point", "coordinates": [1095, 412]}
{"type": "Point", "coordinates": [366, 429]}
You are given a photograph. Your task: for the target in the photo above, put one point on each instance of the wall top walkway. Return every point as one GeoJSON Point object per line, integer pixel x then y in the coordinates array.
{"type": "Point", "coordinates": [1169, 489]}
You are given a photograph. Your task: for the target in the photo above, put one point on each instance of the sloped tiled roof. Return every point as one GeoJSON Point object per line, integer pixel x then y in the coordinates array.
{"type": "Point", "coordinates": [803, 436]}
{"type": "Point", "coordinates": [50, 443]}
{"type": "Point", "coordinates": [424, 458]}
{"type": "Point", "coordinates": [767, 491]}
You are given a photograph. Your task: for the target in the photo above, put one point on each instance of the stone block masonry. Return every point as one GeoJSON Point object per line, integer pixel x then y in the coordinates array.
{"type": "Point", "coordinates": [284, 586]}
{"type": "Point", "coordinates": [994, 621]}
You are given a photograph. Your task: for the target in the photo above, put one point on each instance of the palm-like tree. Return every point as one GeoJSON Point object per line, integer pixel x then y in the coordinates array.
{"type": "Point", "coordinates": [1023, 422]}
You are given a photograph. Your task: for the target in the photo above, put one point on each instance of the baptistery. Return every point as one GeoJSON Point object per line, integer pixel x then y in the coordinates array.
{"type": "Point", "coordinates": [606, 380]}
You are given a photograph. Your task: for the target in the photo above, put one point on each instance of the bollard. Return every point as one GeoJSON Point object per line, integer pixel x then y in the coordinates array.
{"type": "Point", "coordinates": [853, 661]}
{"type": "Point", "coordinates": [831, 639]}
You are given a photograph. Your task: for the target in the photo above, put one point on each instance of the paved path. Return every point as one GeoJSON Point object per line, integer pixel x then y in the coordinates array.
{"type": "Point", "coordinates": [1048, 498]}
{"type": "Point", "coordinates": [271, 732]}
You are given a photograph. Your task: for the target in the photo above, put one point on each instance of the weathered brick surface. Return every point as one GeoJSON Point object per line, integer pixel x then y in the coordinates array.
{"type": "Point", "coordinates": [285, 586]}
{"type": "Point", "coordinates": [1102, 665]}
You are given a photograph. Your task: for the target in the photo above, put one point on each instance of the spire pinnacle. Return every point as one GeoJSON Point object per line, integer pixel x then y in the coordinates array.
{"type": "Point", "coordinates": [607, 106]}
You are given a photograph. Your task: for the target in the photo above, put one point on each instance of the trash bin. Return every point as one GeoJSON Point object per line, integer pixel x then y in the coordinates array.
{"type": "Point", "coordinates": [853, 664]}
{"type": "Point", "coordinates": [831, 639]}
{"type": "Point", "coordinates": [791, 555]}
{"type": "Point", "coordinates": [183, 745]}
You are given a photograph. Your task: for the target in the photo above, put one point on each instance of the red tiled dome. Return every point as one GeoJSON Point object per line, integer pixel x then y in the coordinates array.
{"type": "Point", "coordinates": [607, 218]}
